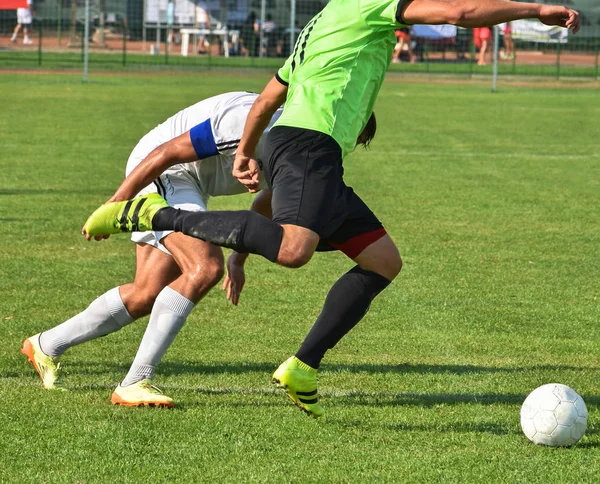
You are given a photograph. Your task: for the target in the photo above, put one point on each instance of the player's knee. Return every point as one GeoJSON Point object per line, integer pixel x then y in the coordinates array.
{"type": "Point", "coordinates": [206, 275]}
{"type": "Point", "coordinates": [294, 257]}
{"type": "Point", "coordinates": [395, 265]}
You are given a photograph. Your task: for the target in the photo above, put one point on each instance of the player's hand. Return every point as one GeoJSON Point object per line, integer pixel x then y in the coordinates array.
{"type": "Point", "coordinates": [561, 16]}
{"type": "Point", "coordinates": [247, 170]}
{"type": "Point", "coordinates": [235, 278]}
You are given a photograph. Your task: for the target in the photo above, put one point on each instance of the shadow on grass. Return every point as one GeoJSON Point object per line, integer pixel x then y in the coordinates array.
{"type": "Point", "coordinates": [173, 368]}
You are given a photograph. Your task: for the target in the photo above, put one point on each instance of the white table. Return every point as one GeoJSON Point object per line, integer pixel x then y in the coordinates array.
{"type": "Point", "coordinates": [223, 33]}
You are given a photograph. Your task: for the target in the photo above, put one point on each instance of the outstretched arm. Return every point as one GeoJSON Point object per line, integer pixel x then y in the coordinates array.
{"type": "Point", "coordinates": [245, 167]}
{"type": "Point", "coordinates": [177, 150]}
{"type": "Point", "coordinates": [483, 13]}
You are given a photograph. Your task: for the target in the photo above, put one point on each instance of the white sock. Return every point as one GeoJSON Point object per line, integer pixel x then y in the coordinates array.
{"type": "Point", "coordinates": [168, 316]}
{"type": "Point", "coordinates": [105, 315]}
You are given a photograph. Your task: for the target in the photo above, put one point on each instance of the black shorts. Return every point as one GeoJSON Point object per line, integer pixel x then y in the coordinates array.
{"type": "Point", "coordinates": [304, 171]}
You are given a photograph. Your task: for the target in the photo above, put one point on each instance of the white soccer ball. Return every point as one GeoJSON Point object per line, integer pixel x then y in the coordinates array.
{"type": "Point", "coordinates": [554, 415]}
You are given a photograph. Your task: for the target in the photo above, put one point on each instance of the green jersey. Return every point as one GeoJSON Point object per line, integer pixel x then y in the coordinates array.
{"type": "Point", "coordinates": [337, 68]}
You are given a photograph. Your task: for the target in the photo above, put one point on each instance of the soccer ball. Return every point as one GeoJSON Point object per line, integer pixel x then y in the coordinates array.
{"type": "Point", "coordinates": [554, 415]}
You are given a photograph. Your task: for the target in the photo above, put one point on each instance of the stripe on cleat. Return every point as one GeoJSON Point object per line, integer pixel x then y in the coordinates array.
{"type": "Point", "coordinates": [307, 394]}
{"type": "Point", "coordinates": [309, 402]}
{"type": "Point", "coordinates": [123, 221]}
{"type": "Point", "coordinates": [135, 218]}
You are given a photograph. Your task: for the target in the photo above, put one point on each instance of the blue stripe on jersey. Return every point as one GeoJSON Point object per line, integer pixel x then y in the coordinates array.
{"type": "Point", "coordinates": [203, 140]}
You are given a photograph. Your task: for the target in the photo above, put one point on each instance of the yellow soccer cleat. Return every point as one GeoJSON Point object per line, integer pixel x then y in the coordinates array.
{"type": "Point", "coordinates": [48, 368]}
{"type": "Point", "coordinates": [300, 382]}
{"type": "Point", "coordinates": [128, 216]}
{"type": "Point", "coordinates": [142, 393]}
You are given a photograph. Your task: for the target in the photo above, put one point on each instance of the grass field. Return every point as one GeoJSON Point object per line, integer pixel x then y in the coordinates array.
{"type": "Point", "coordinates": [493, 200]}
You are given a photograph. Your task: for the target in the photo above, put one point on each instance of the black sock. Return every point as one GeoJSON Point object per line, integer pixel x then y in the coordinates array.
{"type": "Point", "coordinates": [243, 231]}
{"type": "Point", "coordinates": [346, 304]}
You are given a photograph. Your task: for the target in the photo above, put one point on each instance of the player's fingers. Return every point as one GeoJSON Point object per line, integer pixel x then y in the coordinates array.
{"type": "Point", "coordinates": [248, 182]}
{"type": "Point", "coordinates": [241, 174]}
{"type": "Point", "coordinates": [225, 282]}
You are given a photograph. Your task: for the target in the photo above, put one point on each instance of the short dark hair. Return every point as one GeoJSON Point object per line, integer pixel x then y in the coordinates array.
{"type": "Point", "coordinates": [368, 132]}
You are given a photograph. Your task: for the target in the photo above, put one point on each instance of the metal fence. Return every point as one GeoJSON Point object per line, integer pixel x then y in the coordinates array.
{"type": "Point", "coordinates": [136, 34]}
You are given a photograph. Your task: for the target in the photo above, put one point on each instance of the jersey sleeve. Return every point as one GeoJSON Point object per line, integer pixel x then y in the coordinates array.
{"type": "Point", "coordinates": [227, 127]}
{"type": "Point", "coordinates": [283, 74]}
{"type": "Point", "coordinates": [383, 13]}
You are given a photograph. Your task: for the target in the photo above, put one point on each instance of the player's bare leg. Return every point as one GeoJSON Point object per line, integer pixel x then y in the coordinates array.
{"type": "Point", "coordinates": [201, 266]}
{"type": "Point", "coordinates": [108, 313]}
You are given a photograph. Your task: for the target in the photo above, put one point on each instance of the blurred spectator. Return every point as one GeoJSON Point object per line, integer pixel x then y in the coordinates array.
{"type": "Point", "coordinates": [269, 41]}
{"type": "Point", "coordinates": [402, 39]}
{"type": "Point", "coordinates": [172, 37]}
{"type": "Point", "coordinates": [248, 36]}
{"type": "Point", "coordinates": [202, 22]}
{"type": "Point", "coordinates": [509, 49]}
{"type": "Point", "coordinates": [482, 38]}
{"type": "Point", "coordinates": [24, 20]}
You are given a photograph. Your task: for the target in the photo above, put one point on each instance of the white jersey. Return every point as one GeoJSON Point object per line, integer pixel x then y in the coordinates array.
{"type": "Point", "coordinates": [216, 125]}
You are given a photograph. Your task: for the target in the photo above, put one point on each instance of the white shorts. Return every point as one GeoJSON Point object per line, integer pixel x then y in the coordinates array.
{"type": "Point", "coordinates": [24, 16]}
{"type": "Point", "coordinates": [175, 185]}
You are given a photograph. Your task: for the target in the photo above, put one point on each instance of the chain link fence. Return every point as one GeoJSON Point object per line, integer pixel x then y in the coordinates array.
{"type": "Point", "coordinates": [260, 33]}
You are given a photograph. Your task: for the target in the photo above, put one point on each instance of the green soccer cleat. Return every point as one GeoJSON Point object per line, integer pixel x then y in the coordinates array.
{"type": "Point", "coordinates": [128, 216]}
{"type": "Point", "coordinates": [300, 382]}
{"type": "Point", "coordinates": [48, 368]}
{"type": "Point", "coordinates": [141, 393]}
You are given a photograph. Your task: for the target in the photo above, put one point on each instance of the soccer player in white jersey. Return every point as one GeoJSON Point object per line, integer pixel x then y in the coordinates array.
{"type": "Point", "coordinates": [187, 159]}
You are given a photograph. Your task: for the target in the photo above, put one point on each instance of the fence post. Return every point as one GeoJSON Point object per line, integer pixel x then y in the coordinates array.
{"type": "Point", "coordinates": [427, 54]}
{"type": "Point", "coordinates": [40, 37]}
{"type": "Point", "coordinates": [292, 25]}
{"type": "Point", "coordinates": [495, 59]}
{"type": "Point", "coordinates": [167, 46]}
{"type": "Point", "coordinates": [471, 57]}
{"type": "Point", "coordinates": [125, 41]}
{"type": "Point", "coordinates": [597, 51]}
{"type": "Point", "coordinates": [86, 40]}
{"type": "Point", "coordinates": [558, 60]}
{"type": "Point", "coordinates": [59, 26]}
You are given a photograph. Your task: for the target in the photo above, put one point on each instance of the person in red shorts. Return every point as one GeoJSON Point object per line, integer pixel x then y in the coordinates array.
{"type": "Point", "coordinates": [482, 37]}
{"type": "Point", "coordinates": [403, 37]}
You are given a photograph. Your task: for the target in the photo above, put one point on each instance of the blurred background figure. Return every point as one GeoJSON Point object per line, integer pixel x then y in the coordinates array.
{"type": "Point", "coordinates": [202, 22]}
{"type": "Point", "coordinates": [248, 35]}
{"type": "Point", "coordinates": [172, 37]}
{"type": "Point", "coordinates": [24, 20]}
{"type": "Point", "coordinates": [269, 45]}
{"type": "Point", "coordinates": [403, 39]}
{"type": "Point", "coordinates": [509, 50]}
{"type": "Point", "coordinates": [482, 38]}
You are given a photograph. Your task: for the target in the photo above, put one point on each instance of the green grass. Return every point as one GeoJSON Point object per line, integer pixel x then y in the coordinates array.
{"type": "Point", "coordinates": [493, 200]}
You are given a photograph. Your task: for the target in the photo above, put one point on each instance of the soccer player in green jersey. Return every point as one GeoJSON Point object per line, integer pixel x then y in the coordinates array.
{"type": "Point", "coordinates": [329, 85]}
